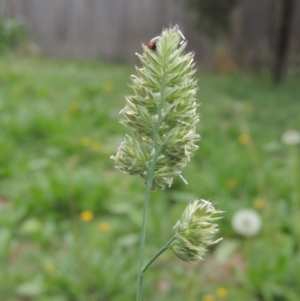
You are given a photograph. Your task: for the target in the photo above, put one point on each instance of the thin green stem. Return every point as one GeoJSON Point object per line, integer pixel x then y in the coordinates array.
{"type": "Point", "coordinates": [143, 237]}
{"type": "Point", "coordinates": [150, 177]}
{"type": "Point", "coordinates": [143, 231]}
{"type": "Point", "coordinates": [163, 249]}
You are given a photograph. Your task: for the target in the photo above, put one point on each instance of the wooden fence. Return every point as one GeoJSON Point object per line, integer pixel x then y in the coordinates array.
{"type": "Point", "coordinates": [114, 29]}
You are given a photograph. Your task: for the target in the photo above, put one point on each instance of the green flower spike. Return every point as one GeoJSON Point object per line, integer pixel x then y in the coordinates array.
{"type": "Point", "coordinates": [161, 112]}
{"type": "Point", "coordinates": [195, 231]}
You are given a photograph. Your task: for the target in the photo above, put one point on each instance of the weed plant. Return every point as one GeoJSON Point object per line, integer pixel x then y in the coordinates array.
{"type": "Point", "coordinates": [162, 116]}
{"type": "Point", "coordinates": [70, 223]}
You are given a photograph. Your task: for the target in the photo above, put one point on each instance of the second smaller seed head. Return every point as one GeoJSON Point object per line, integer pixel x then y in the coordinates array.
{"type": "Point", "coordinates": [195, 231]}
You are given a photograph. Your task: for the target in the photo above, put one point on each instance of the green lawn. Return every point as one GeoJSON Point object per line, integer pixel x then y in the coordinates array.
{"type": "Point", "coordinates": [59, 124]}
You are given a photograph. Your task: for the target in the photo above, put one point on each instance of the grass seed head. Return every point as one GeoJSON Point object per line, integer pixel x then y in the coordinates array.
{"type": "Point", "coordinates": [195, 231]}
{"type": "Point", "coordinates": [161, 111]}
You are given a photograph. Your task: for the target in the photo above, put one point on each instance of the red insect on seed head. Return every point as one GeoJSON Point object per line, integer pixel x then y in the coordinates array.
{"type": "Point", "coordinates": [152, 45]}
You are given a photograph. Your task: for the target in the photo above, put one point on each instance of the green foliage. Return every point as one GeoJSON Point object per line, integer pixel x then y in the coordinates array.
{"type": "Point", "coordinates": [213, 15]}
{"type": "Point", "coordinates": [58, 127]}
{"type": "Point", "coordinates": [12, 33]}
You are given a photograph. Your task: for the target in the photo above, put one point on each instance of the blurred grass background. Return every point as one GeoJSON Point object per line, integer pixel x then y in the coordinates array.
{"type": "Point", "coordinates": [70, 222]}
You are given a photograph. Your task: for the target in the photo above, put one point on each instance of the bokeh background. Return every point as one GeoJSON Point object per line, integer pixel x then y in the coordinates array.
{"type": "Point", "coordinates": [70, 222]}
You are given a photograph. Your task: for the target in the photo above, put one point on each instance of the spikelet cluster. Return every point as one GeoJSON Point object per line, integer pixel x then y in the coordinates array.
{"type": "Point", "coordinates": [196, 231]}
{"type": "Point", "coordinates": [161, 112]}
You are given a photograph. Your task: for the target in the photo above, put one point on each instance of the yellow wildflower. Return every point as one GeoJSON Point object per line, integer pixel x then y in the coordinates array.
{"type": "Point", "coordinates": [208, 298]}
{"type": "Point", "coordinates": [244, 139]}
{"type": "Point", "coordinates": [108, 86]}
{"type": "Point", "coordinates": [259, 204]}
{"type": "Point", "coordinates": [222, 292]}
{"type": "Point", "coordinates": [73, 106]}
{"type": "Point", "coordinates": [85, 141]}
{"type": "Point", "coordinates": [232, 182]}
{"type": "Point", "coordinates": [86, 215]}
{"type": "Point", "coordinates": [103, 227]}
{"type": "Point", "coordinates": [96, 145]}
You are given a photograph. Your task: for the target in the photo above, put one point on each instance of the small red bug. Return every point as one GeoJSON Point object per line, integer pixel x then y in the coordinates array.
{"type": "Point", "coordinates": [152, 45]}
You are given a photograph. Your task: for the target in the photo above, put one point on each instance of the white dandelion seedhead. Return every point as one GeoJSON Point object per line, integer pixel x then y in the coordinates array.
{"type": "Point", "coordinates": [291, 137]}
{"type": "Point", "coordinates": [246, 222]}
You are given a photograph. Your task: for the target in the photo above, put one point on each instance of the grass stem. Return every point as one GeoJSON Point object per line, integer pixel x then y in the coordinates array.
{"type": "Point", "coordinates": [163, 249]}
{"type": "Point", "coordinates": [150, 177]}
